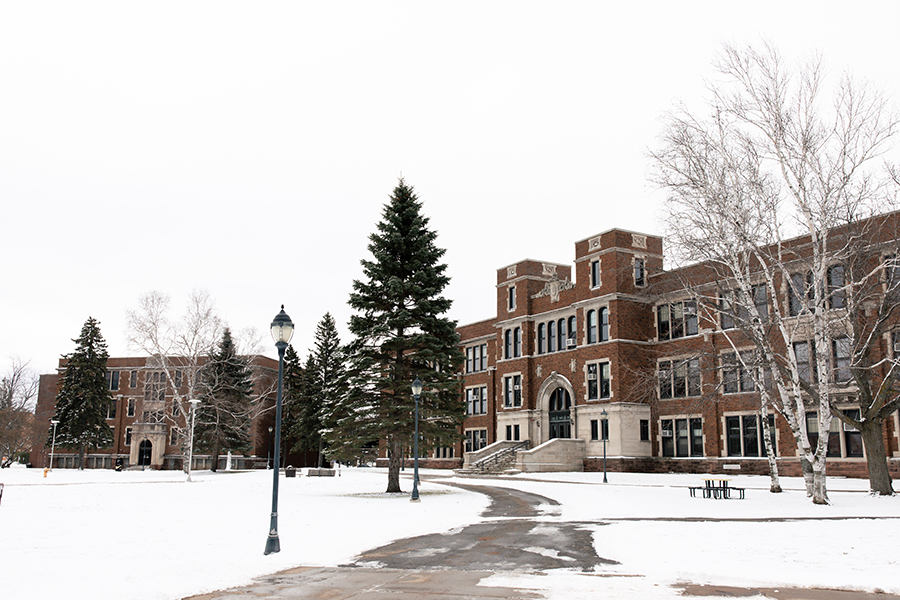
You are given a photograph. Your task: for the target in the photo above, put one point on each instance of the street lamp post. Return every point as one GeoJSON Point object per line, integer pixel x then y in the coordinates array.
{"type": "Point", "coordinates": [604, 432]}
{"type": "Point", "coordinates": [53, 444]}
{"type": "Point", "coordinates": [417, 391]}
{"type": "Point", "coordinates": [269, 451]}
{"type": "Point", "coordinates": [194, 402]}
{"type": "Point", "coordinates": [282, 329]}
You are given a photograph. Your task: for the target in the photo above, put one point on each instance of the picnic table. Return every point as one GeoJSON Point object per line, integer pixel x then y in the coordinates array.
{"type": "Point", "coordinates": [718, 488]}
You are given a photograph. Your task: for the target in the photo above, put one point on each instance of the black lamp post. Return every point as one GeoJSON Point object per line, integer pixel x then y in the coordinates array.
{"type": "Point", "coordinates": [604, 432]}
{"type": "Point", "coordinates": [269, 450]}
{"type": "Point", "coordinates": [282, 330]}
{"type": "Point", "coordinates": [417, 391]}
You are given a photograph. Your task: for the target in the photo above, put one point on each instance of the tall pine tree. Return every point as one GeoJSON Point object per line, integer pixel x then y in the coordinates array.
{"type": "Point", "coordinates": [400, 333]}
{"type": "Point", "coordinates": [84, 399]}
{"type": "Point", "coordinates": [224, 413]}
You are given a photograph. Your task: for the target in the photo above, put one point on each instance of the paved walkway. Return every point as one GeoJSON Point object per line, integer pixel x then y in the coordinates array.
{"type": "Point", "coordinates": [451, 565]}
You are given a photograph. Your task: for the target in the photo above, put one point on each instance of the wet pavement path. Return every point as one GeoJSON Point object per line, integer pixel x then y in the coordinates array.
{"type": "Point", "coordinates": [514, 539]}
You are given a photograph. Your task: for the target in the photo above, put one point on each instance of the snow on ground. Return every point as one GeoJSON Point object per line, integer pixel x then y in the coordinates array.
{"type": "Point", "coordinates": [150, 535]}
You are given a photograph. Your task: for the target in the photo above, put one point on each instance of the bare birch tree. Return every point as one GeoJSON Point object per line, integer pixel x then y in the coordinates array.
{"type": "Point", "coordinates": [771, 163]}
{"type": "Point", "coordinates": [18, 429]}
{"type": "Point", "coordinates": [178, 349]}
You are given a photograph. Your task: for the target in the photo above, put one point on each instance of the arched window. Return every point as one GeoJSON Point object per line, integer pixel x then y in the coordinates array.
{"type": "Point", "coordinates": [604, 324]}
{"type": "Point", "coordinates": [551, 336]}
{"type": "Point", "coordinates": [591, 327]}
{"type": "Point", "coordinates": [561, 335]}
{"type": "Point", "coordinates": [541, 338]}
{"type": "Point", "coordinates": [573, 329]}
{"type": "Point", "coordinates": [517, 342]}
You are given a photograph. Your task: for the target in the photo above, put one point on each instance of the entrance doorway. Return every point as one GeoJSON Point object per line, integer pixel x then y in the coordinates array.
{"type": "Point", "coordinates": [145, 451]}
{"type": "Point", "coordinates": [560, 414]}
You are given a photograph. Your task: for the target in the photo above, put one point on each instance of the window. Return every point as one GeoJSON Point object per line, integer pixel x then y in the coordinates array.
{"type": "Point", "coordinates": [843, 440]}
{"type": "Point", "coordinates": [561, 335]}
{"type": "Point", "coordinates": [155, 387]}
{"type": "Point", "coordinates": [443, 452]}
{"type": "Point", "coordinates": [571, 341]}
{"type": "Point", "coordinates": [682, 437]}
{"type": "Point", "coordinates": [744, 435]}
{"type": "Point", "coordinates": [639, 272]}
{"type": "Point", "coordinates": [130, 412]}
{"type": "Point", "coordinates": [595, 430]}
{"type": "Point", "coordinates": [517, 342]}
{"type": "Point", "coordinates": [806, 366]}
{"type": "Point", "coordinates": [595, 273]}
{"type": "Point", "coordinates": [511, 298]}
{"type": "Point", "coordinates": [737, 375]}
{"type": "Point", "coordinates": [591, 326]}
{"type": "Point", "coordinates": [175, 409]}
{"type": "Point", "coordinates": [800, 293]}
{"type": "Point", "coordinates": [645, 430]}
{"type": "Point", "coordinates": [507, 343]}
{"type": "Point", "coordinates": [133, 380]}
{"type": "Point", "coordinates": [512, 391]}
{"type": "Point", "coordinates": [128, 436]}
{"type": "Point", "coordinates": [173, 437]}
{"type": "Point", "coordinates": [178, 375]}
{"type": "Point", "coordinates": [512, 433]}
{"type": "Point", "coordinates": [111, 410]}
{"type": "Point", "coordinates": [840, 355]}
{"type": "Point", "coordinates": [551, 336]}
{"type": "Point", "coordinates": [112, 380]}
{"type": "Point", "coordinates": [476, 400]}
{"type": "Point", "coordinates": [676, 320]}
{"type": "Point", "coordinates": [476, 358]}
{"type": "Point", "coordinates": [542, 338]}
{"type": "Point", "coordinates": [476, 439]}
{"type": "Point", "coordinates": [837, 295]}
{"type": "Point", "coordinates": [679, 378]}
{"type": "Point", "coordinates": [603, 315]}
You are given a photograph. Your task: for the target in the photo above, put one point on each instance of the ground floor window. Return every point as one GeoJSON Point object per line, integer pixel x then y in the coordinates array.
{"type": "Point", "coordinates": [843, 441]}
{"type": "Point", "coordinates": [513, 433]}
{"type": "Point", "coordinates": [443, 452]}
{"type": "Point", "coordinates": [744, 435]}
{"type": "Point", "coordinates": [476, 439]}
{"type": "Point", "coordinates": [682, 437]}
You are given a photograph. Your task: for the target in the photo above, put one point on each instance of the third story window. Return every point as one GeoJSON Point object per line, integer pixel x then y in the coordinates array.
{"type": "Point", "coordinates": [679, 378]}
{"type": "Point", "coordinates": [676, 319]}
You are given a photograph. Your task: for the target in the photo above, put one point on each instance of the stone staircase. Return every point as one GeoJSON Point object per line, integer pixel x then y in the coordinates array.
{"type": "Point", "coordinates": [501, 461]}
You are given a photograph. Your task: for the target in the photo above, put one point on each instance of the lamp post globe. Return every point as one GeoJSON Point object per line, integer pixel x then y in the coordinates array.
{"type": "Point", "coordinates": [282, 329]}
{"type": "Point", "coordinates": [417, 391]}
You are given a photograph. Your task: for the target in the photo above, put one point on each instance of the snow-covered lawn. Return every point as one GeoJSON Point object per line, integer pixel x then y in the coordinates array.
{"type": "Point", "coordinates": [147, 535]}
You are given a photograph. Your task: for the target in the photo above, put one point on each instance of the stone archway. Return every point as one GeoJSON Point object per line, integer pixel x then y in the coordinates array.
{"type": "Point", "coordinates": [145, 453]}
{"type": "Point", "coordinates": [558, 390]}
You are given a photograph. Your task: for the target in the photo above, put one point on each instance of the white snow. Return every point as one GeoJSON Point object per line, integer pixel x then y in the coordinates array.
{"type": "Point", "coordinates": [150, 535]}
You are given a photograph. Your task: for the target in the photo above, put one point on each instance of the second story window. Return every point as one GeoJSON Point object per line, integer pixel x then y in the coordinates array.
{"type": "Point", "coordinates": [639, 274]}
{"type": "Point", "coordinates": [512, 391]}
{"type": "Point", "coordinates": [800, 293]}
{"type": "Point", "coordinates": [676, 320]}
{"type": "Point", "coordinates": [679, 378]}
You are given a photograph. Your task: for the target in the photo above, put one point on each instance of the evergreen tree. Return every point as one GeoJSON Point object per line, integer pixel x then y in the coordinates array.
{"type": "Point", "coordinates": [84, 399]}
{"type": "Point", "coordinates": [400, 334]}
{"type": "Point", "coordinates": [292, 405]}
{"type": "Point", "coordinates": [223, 416]}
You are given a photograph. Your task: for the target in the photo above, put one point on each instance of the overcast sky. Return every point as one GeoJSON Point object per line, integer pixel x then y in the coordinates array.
{"type": "Point", "coordinates": [248, 148]}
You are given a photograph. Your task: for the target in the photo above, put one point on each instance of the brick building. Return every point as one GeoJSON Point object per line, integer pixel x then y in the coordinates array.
{"type": "Point", "coordinates": [143, 412]}
{"type": "Point", "coordinates": [620, 347]}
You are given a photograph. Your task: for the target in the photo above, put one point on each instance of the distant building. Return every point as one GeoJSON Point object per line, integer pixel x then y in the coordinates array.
{"type": "Point", "coordinates": [142, 415]}
{"type": "Point", "coordinates": [621, 336]}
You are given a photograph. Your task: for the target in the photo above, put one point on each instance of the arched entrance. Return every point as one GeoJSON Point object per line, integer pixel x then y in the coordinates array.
{"type": "Point", "coordinates": [145, 452]}
{"type": "Point", "coordinates": [560, 414]}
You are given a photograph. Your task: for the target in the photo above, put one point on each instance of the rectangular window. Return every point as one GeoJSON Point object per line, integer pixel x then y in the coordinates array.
{"type": "Point", "coordinates": [130, 412]}
{"type": "Point", "coordinates": [476, 439]}
{"type": "Point", "coordinates": [592, 383]}
{"type": "Point", "coordinates": [595, 430]}
{"type": "Point", "coordinates": [111, 410]}
{"type": "Point", "coordinates": [112, 378]}
{"type": "Point", "coordinates": [837, 295]}
{"type": "Point", "coordinates": [512, 433]}
{"type": "Point", "coordinates": [639, 274]}
{"type": "Point", "coordinates": [476, 401]}
{"type": "Point", "coordinates": [604, 380]}
{"type": "Point", "coordinates": [679, 379]}
{"type": "Point", "coordinates": [806, 365]}
{"type": "Point", "coordinates": [512, 391]}
{"type": "Point", "coordinates": [840, 355]}
{"type": "Point", "coordinates": [133, 380]}
{"type": "Point", "coordinates": [178, 376]}
{"type": "Point", "coordinates": [744, 435]}
{"type": "Point", "coordinates": [173, 437]}
{"type": "Point", "coordinates": [800, 293]}
{"type": "Point", "coordinates": [128, 436]}
{"type": "Point", "coordinates": [645, 430]}
{"type": "Point", "coordinates": [595, 274]}
{"type": "Point", "coordinates": [470, 360]}
{"type": "Point", "coordinates": [682, 437]}
{"type": "Point", "coordinates": [511, 298]}
{"type": "Point", "coordinates": [676, 320]}
{"type": "Point", "coordinates": [737, 375]}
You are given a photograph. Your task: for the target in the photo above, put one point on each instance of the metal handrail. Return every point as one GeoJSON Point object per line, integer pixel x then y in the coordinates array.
{"type": "Point", "coordinates": [496, 457]}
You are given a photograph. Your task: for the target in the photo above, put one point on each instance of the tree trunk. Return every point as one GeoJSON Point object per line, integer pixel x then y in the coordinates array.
{"type": "Point", "coordinates": [321, 461]}
{"type": "Point", "coordinates": [820, 494]}
{"type": "Point", "coordinates": [395, 459]}
{"type": "Point", "coordinates": [876, 458]}
{"type": "Point", "coordinates": [774, 481]}
{"type": "Point", "coordinates": [215, 458]}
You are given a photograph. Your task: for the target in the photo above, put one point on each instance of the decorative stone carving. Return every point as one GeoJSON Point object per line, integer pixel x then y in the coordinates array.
{"type": "Point", "coordinates": [510, 271]}
{"type": "Point", "coordinates": [538, 370]}
{"type": "Point", "coordinates": [553, 287]}
{"type": "Point", "coordinates": [549, 269]}
{"type": "Point", "coordinates": [638, 241]}
{"type": "Point", "coordinates": [594, 244]}
{"type": "Point", "coordinates": [572, 365]}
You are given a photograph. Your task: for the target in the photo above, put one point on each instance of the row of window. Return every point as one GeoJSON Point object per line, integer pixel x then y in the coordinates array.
{"type": "Point", "coordinates": [552, 336]}
{"type": "Point", "coordinates": [112, 379]}
{"type": "Point", "coordinates": [476, 358]}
